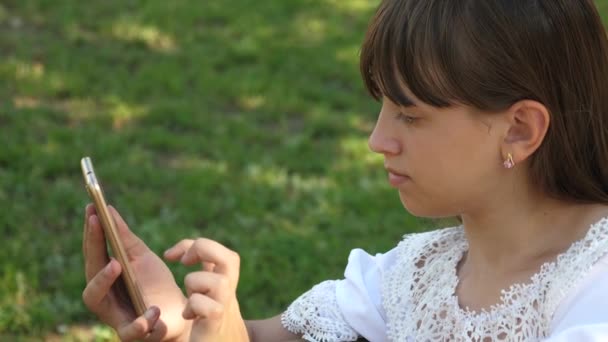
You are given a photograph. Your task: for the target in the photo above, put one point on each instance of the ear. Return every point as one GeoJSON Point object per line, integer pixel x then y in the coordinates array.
{"type": "Point", "coordinates": [528, 122]}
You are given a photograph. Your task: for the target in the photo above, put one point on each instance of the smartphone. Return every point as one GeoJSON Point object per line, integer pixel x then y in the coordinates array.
{"type": "Point", "coordinates": [111, 233]}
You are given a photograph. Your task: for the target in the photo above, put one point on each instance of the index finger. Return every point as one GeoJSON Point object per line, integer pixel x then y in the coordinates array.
{"type": "Point", "coordinates": [205, 250]}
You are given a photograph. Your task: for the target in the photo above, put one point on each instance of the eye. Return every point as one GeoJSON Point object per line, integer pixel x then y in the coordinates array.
{"type": "Point", "coordinates": [405, 118]}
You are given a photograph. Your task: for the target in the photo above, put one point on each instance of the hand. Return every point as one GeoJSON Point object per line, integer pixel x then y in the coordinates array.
{"type": "Point", "coordinates": [107, 298]}
{"type": "Point", "coordinates": [212, 303]}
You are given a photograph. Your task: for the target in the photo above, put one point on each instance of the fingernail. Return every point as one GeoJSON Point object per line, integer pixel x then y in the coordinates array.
{"type": "Point", "coordinates": [169, 251]}
{"type": "Point", "coordinates": [151, 313]}
{"type": "Point", "coordinates": [109, 268]}
{"type": "Point", "coordinates": [92, 219]}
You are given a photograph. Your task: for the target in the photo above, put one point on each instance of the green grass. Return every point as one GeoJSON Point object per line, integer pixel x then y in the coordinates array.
{"type": "Point", "coordinates": [242, 121]}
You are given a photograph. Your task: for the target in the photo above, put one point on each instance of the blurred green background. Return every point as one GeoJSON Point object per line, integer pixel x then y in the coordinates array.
{"type": "Point", "coordinates": [243, 121]}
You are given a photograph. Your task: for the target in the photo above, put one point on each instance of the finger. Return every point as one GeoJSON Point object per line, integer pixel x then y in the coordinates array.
{"type": "Point", "coordinates": [88, 211]}
{"type": "Point", "coordinates": [202, 306]}
{"type": "Point", "coordinates": [140, 327]}
{"type": "Point", "coordinates": [158, 332]}
{"type": "Point", "coordinates": [99, 287]}
{"type": "Point", "coordinates": [133, 245]}
{"type": "Point", "coordinates": [96, 256]}
{"type": "Point", "coordinates": [214, 285]}
{"type": "Point", "coordinates": [208, 266]}
{"type": "Point", "coordinates": [205, 250]}
{"type": "Point", "coordinates": [177, 251]}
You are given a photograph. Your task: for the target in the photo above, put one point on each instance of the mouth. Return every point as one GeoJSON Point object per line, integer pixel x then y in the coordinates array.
{"type": "Point", "coordinates": [395, 178]}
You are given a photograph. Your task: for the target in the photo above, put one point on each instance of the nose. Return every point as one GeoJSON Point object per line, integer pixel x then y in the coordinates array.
{"type": "Point", "coordinates": [382, 142]}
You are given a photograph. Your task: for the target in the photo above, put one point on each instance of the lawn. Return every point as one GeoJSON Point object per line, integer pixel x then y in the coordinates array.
{"type": "Point", "coordinates": [243, 121]}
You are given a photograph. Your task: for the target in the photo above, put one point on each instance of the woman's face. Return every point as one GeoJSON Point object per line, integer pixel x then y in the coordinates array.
{"type": "Point", "coordinates": [443, 161]}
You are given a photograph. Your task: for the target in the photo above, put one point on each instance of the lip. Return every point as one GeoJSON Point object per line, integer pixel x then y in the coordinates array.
{"type": "Point", "coordinates": [396, 178]}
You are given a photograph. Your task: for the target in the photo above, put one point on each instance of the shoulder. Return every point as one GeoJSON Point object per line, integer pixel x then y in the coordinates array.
{"type": "Point", "coordinates": [352, 306]}
{"type": "Point", "coordinates": [360, 294]}
{"type": "Point", "coordinates": [587, 303]}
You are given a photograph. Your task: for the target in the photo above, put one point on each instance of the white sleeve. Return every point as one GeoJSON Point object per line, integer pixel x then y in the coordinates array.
{"type": "Point", "coordinates": [583, 314]}
{"type": "Point", "coordinates": [582, 333]}
{"type": "Point", "coordinates": [344, 310]}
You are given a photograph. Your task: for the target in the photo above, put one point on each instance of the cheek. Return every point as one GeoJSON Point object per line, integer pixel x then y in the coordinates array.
{"type": "Point", "coordinates": [448, 172]}
{"type": "Point", "coordinates": [436, 159]}
{"type": "Point", "coordinates": [435, 190]}
{"type": "Point", "coordinates": [460, 166]}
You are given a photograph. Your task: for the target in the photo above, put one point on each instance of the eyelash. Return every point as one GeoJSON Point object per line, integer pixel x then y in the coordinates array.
{"type": "Point", "coordinates": [405, 118]}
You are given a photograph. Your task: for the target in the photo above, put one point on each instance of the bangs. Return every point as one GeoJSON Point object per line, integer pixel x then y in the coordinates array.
{"type": "Point", "coordinates": [411, 44]}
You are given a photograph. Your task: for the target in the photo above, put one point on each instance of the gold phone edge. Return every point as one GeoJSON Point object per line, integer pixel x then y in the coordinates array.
{"type": "Point", "coordinates": [95, 193]}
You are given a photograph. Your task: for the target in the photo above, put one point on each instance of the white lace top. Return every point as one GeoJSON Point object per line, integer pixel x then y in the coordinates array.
{"type": "Point", "coordinates": [408, 294]}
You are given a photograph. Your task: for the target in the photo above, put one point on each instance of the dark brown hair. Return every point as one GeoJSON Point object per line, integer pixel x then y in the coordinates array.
{"type": "Point", "coordinates": [490, 54]}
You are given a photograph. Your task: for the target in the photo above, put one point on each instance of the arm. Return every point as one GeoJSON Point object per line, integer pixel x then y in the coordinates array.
{"type": "Point", "coordinates": [270, 330]}
{"type": "Point", "coordinates": [332, 309]}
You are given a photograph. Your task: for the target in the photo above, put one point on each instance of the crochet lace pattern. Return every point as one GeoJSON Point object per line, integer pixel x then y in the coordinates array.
{"type": "Point", "coordinates": [316, 315]}
{"type": "Point", "coordinates": [419, 292]}
{"type": "Point", "coordinates": [418, 295]}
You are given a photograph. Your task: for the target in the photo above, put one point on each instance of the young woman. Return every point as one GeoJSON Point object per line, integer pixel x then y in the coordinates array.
{"type": "Point", "coordinates": [494, 111]}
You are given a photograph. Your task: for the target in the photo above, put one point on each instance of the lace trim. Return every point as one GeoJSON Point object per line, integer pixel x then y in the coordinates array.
{"type": "Point", "coordinates": [419, 292]}
{"type": "Point", "coordinates": [316, 315]}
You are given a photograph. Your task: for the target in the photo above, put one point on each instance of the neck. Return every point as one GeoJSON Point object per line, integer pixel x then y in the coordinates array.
{"type": "Point", "coordinates": [521, 234]}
